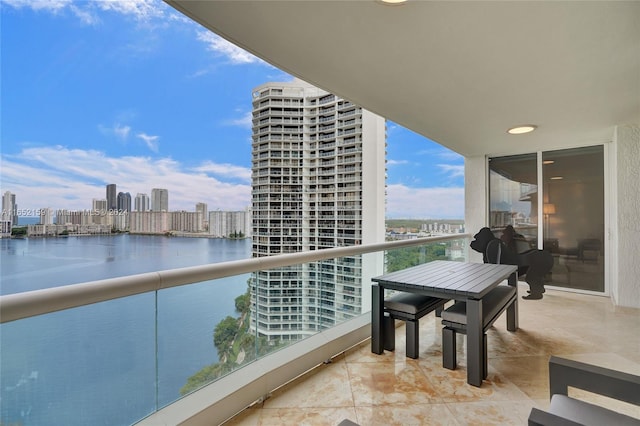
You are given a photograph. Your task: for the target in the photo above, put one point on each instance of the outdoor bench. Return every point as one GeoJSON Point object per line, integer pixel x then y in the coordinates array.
{"type": "Point", "coordinates": [454, 320]}
{"type": "Point", "coordinates": [565, 410]}
{"type": "Point", "coordinates": [408, 307]}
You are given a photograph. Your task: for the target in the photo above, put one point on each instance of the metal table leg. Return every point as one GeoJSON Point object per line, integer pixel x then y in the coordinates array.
{"type": "Point", "coordinates": [512, 310]}
{"type": "Point", "coordinates": [377, 311]}
{"type": "Point", "coordinates": [475, 344]}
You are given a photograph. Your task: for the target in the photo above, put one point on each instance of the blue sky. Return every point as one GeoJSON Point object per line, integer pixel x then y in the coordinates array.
{"type": "Point", "coordinates": [134, 93]}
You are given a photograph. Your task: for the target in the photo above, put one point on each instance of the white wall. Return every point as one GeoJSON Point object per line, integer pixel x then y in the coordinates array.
{"type": "Point", "coordinates": [626, 238]}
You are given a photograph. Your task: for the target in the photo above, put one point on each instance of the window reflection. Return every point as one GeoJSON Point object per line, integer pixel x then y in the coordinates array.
{"type": "Point", "coordinates": [572, 197]}
{"type": "Point", "coordinates": [513, 195]}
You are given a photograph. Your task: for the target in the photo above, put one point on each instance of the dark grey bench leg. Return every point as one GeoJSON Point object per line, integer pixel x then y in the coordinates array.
{"type": "Point", "coordinates": [413, 341]}
{"type": "Point", "coordinates": [408, 309]}
{"type": "Point", "coordinates": [389, 333]}
{"type": "Point", "coordinates": [512, 310]}
{"type": "Point", "coordinates": [485, 367]}
{"type": "Point", "coordinates": [449, 360]}
{"type": "Point", "coordinates": [377, 313]}
{"type": "Point", "coordinates": [449, 356]}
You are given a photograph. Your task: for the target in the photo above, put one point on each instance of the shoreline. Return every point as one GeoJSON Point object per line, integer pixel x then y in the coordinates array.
{"type": "Point", "coordinates": [115, 234]}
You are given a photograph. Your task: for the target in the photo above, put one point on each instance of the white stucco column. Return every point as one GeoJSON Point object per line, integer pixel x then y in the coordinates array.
{"type": "Point", "coordinates": [475, 198]}
{"type": "Point", "coordinates": [625, 289]}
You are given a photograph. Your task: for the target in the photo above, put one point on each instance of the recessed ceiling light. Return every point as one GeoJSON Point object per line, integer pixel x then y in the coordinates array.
{"type": "Point", "coordinates": [548, 162]}
{"type": "Point", "coordinates": [521, 129]}
{"type": "Point", "coordinates": [392, 2]}
{"type": "Point", "coordinates": [556, 178]}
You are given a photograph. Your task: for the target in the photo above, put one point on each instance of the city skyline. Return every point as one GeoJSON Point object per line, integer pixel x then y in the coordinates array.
{"type": "Point", "coordinates": [133, 93]}
{"type": "Point", "coordinates": [143, 204]}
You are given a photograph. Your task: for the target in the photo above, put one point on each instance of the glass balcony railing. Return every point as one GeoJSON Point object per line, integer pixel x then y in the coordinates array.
{"type": "Point", "coordinates": [116, 351]}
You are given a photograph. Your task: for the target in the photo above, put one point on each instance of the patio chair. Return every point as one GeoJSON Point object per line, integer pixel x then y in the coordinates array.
{"type": "Point", "coordinates": [565, 410]}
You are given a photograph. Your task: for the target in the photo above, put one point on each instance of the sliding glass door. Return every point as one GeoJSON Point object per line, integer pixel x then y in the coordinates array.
{"type": "Point", "coordinates": [573, 194]}
{"type": "Point", "coordinates": [558, 197]}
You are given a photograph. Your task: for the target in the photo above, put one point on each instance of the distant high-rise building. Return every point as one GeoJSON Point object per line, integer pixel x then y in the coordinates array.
{"type": "Point", "coordinates": [160, 200]}
{"type": "Point", "coordinates": [5, 228]}
{"type": "Point", "coordinates": [73, 217]}
{"type": "Point", "coordinates": [316, 171]}
{"type": "Point", "coordinates": [186, 221]}
{"type": "Point", "coordinates": [9, 209]}
{"type": "Point", "coordinates": [124, 202]}
{"type": "Point", "coordinates": [141, 202]}
{"type": "Point", "coordinates": [203, 208]}
{"type": "Point", "coordinates": [224, 224]}
{"type": "Point", "coordinates": [46, 216]}
{"type": "Point", "coordinates": [99, 212]}
{"type": "Point", "coordinates": [112, 202]}
{"type": "Point", "coordinates": [99, 205]}
{"type": "Point", "coordinates": [121, 218]}
{"type": "Point", "coordinates": [150, 222]}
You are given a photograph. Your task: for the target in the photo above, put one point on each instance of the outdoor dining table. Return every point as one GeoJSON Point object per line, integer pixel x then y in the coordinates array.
{"type": "Point", "coordinates": [460, 281]}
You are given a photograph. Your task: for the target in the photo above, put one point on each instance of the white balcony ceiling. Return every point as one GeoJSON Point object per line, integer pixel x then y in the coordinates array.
{"type": "Point", "coordinates": [459, 73]}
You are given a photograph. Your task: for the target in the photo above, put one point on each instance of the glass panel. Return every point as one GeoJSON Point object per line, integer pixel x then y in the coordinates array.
{"type": "Point", "coordinates": [197, 325]}
{"type": "Point", "coordinates": [292, 303]}
{"type": "Point", "coordinates": [574, 216]}
{"type": "Point", "coordinates": [116, 362]}
{"type": "Point", "coordinates": [402, 258]}
{"type": "Point", "coordinates": [406, 257]}
{"type": "Point", "coordinates": [84, 366]}
{"type": "Point", "coordinates": [513, 196]}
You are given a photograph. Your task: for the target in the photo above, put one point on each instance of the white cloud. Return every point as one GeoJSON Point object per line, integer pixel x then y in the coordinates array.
{"type": "Point", "coordinates": [58, 177]}
{"type": "Point", "coordinates": [148, 13]}
{"type": "Point", "coordinates": [404, 202]}
{"type": "Point", "coordinates": [141, 10]}
{"type": "Point", "coordinates": [88, 11]}
{"type": "Point", "coordinates": [222, 47]}
{"type": "Point", "coordinates": [86, 16]}
{"type": "Point", "coordinates": [121, 132]}
{"type": "Point", "coordinates": [442, 153]}
{"type": "Point", "coordinates": [150, 141]}
{"type": "Point", "coordinates": [245, 121]}
{"type": "Point", "coordinates": [453, 170]}
{"type": "Point", "coordinates": [226, 169]}
{"type": "Point", "coordinates": [53, 6]}
{"type": "Point", "coordinates": [391, 162]}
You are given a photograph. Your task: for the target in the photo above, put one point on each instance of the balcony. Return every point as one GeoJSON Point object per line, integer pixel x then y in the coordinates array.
{"type": "Point", "coordinates": [356, 384]}
{"type": "Point", "coordinates": [394, 390]}
{"type": "Point", "coordinates": [389, 388]}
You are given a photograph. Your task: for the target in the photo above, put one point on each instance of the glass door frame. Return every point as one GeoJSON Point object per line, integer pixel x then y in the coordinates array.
{"type": "Point", "coordinates": [608, 155]}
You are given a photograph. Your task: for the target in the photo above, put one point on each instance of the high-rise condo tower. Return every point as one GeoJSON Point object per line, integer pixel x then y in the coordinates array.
{"type": "Point", "coordinates": [112, 200]}
{"type": "Point", "coordinates": [316, 162]}
{"type": "Point", "coordinates": [160, 200]}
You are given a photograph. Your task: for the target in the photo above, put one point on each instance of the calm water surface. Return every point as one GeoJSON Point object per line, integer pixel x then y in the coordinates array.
{"type": "Point", "coordinates": [98, 364]}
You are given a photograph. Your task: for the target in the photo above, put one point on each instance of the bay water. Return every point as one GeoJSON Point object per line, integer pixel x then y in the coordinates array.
{"type": "Point", "coordinates": [110, 363]}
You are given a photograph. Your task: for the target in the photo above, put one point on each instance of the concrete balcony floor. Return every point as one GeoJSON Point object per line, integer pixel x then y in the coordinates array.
{"type": "Point", "coordinates": [391, 389]}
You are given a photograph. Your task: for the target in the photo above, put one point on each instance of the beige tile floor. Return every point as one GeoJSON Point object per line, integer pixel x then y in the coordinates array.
{"type": "Point", "coordinates": [391, 389]}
